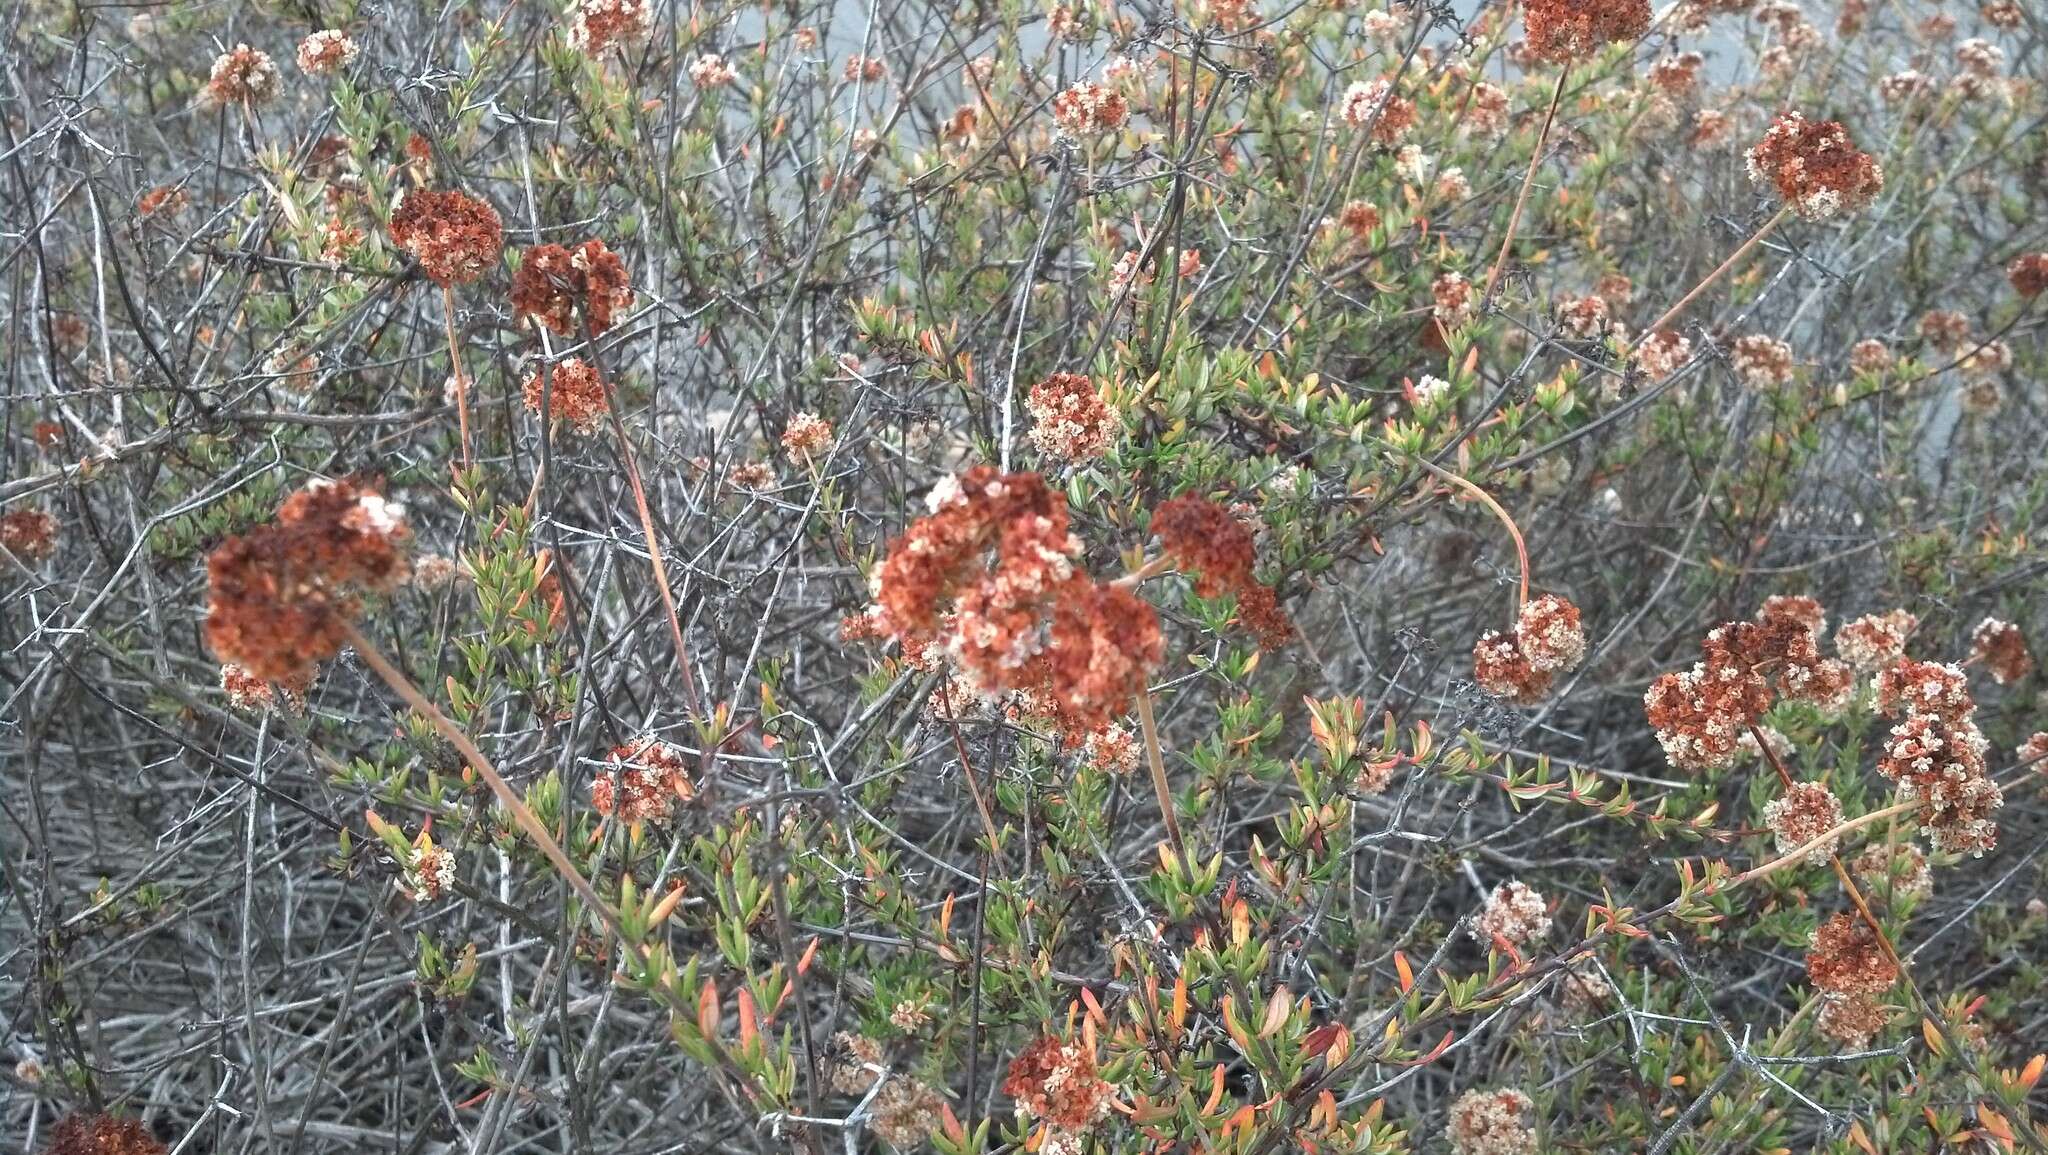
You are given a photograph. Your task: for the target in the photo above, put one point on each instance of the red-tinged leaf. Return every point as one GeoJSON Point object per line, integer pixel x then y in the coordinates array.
{"type": "Point", "coordinates": [1319, 1040]}
{"type": "Point", "coordinates": [803, 965]}
{"type": "Point", "coordinates": [1215, 1090]}
{"type": "Point", "coordinates": [1435, 1052]}
{"type": "Point", "coordinates": [2031, 1073]}
{"type": "Point", "coordinates": [1404, 972]}
{"type": "Point", "coordinates": [750, 1029]}
{"type": "Point", "coordinates": [1095, 1011]}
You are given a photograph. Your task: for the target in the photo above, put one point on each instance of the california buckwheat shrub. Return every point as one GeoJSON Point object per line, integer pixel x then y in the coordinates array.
{"type": "Point", "coordinates": [1051, 578]}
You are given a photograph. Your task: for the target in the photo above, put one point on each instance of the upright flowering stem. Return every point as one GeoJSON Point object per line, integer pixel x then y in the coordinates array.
{"type": "Point", "coordinates": [522, 816]}
{"type": "Point", "coordinates": [668, 597]}
{"type": "Point", "coordinates": [1528, 179]}
{"type": "Point", "coordinates": [455, 369]}
{"type": "Point", "coordinates": [1486, 499]}
{"type": "Point", "coordinates": [1155, 761]}
{"type": "Point", "coordinates": [1734, 257]}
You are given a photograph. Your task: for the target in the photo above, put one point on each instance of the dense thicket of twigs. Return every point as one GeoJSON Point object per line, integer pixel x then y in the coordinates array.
{"type": "Point", "coordinates": [201, 929]}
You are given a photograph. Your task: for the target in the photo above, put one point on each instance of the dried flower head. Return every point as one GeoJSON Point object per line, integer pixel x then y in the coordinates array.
{"type": "Point", "coordinates": [711, 71]}
{"type": "Point", "coordinates": [1550, 634]}
{"type": "Point", "coordinates": [1937, 688]}
{"type": "Point", "coordinates": [1662, 353]}
{"type": "Point", "coordinates": [868, 69]}
{"type": "Point", "coordinates": [1217, 550]}
{"type": "Point", "coordinates": [1815, 167]}
{"type": "Point", "coordinates": [1514, 914]}
{"type": "Point", "coordinates": [1846, 958]}
{"type": "Point", "coordinates": [2002, 648]}
{"type": "Point", "coordinates": [455, 237]}
{"type": "Point", "coordinates": [1700, 715]}
{"type": "Point", "coordinates": [1678, 73]}
{"type": "Point", "coordinates": [1492, 1123]}
{"type": "Point", "coordinates": [1071, 420]}
{"type": "Point", "coordinates": [326, 51]}
{"type": "Point", "coordinates": [806, 437]}
{"type": "Point", "coordinates": [1503, 670]}
{"type": "Point", "coordinates": [852, 1063]}
{"type": "Point", "coordinates": [1852, 1020]}
{"type": "Point", "coordinates": [1806, 811]}
{"type": "Point", "coordinates": [1939, 763]}
{"type": "Point", "coordinates": [1896, 870]}
{"type": "Point", "coordinates": [1090, 109]}
{"type": "Point", "coordinates": [1373, 103]}
{"type": "Point", "coordinates": [1562, 31]}
{"type": "Point", "coordinates": [2028, 273]}
{"type": "Point", "coordinates": [280, 597]}
{"type": "Point", "coordinates": [1055, 1082]}
{"type": "Point", "coordinates": [102, 1135]}
{"type": "Point", "coordinates": [242, 75]}
{"type": "Point", "coordinates": [1875, 641]}
{"type": "Point", "coordinates": [573, 393]}
{"type": "Point", "coordinates": [596, 25]}
{"type": "Point", "coordinates": [1870, 355]}
{"type": "Point", "coordinates": [905, 1112]}
{"type": "Point", "coordinates": [1453, 297]}
{"type": "Point", "coordinates": [1112, 749]}
{"type": "Point", "coordinates": [28, 534]}
{"type": "Point", "coordinates": [1763, 362]}
{"type": "Point", "coordinates": [1359, 218]}
{"type": "Point", "coordinates": [642, 782]}
{"type": "Point", "coordinates": [554, 284]}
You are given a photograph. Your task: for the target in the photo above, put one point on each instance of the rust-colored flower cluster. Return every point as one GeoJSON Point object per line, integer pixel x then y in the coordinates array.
{"type": "Point", "coordinates": [1071, 421]}
{"type": "Point", "coordinates": [1875, 641]}
{"type": "Point", "coordinates": [1492, 1123]}
{"type": "Point", "coordinates": [1846, 959]}
{"type": "Point", "coordinates": [642, 782]}
{"type": "Point", "coordinates": [1562, 31]}
{"type": "Point", "coordinates": [2028, 273]}
{"type": "Point", "coordinates": [102, 1135]}
{"type": "Point", "coordinates": [1762, 362]}
{"type": "Point", "coordinates": [1090, 109]}
{"type": "Point", "coordinates": [1519, 667]}
{"type": "Point", "coordinates": [242, 75]}
{"type": "Point", "coordinates": [597, 25]}
{"type": "Point", "coordinates": [806, 437]}
{"type": "Point", "coordinates": [1513, 914]}
{"type": "Point", "coordinates": [28, 534]}
{"type": "Point", "coordinates": [1935, 754]}
{"type": "Point", "coordinates": [1805, 812]}
{"type": "Point", "coordinates": [1815, 167]}
{"type": "Point", "coordinates": [455, 237]}
{"type": "Point", "coordinates": [574, 394]}
{"type": "Point", "coordinates": [246, 691]}
{"type": "Point", "coordinates": [280, 596]}
{"type": "Point", "coordinates": [990, 578]}
{"type": "Point", "coordinates": [555, 283]}
{"type": "Point", "coordinates": [2002, 648]}
{"type": "Point", "coordinates": [1374, 103]}
{"type": "Point", "coordinates": [1055, 1083]}
{"type": "Point", "coordinates": [327, 51]}
{"type": "Point", "coordinates": [1214, 547]}
{"type": "Point", "coordinates": [1700, 715]}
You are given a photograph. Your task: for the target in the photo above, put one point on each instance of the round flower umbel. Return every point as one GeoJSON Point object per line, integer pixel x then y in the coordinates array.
{"type": "Point", "coordinates": [2028, 273]}
{"type": "Point", "coordinates": [574, 394]}
{"type": "Point", "coordinates": [326, 51]}
{"type": "Point", "coordinates": [597, 25]}
{"type": "Point", "coordinates": [1550, 634]}
{"type": "Point", "coordinates": [1503, 670]}
{"type": "Point", "coordinates": [243, 75]}
{"type": "Point", "coordinates": [1847, 959]}
{"type": "Point", "coordinates": [1492, 1123]}
{"type": "Point", "coordinates": [2002, 649]}
{"type": "Point", "coordinates": [990, 577]}
{"type": "Point", "coordinates": [1874, 641]}
{"type": "Point", "coordinates": [1566, 30]}
{"type": "Point", "coordinates": [1815, 167]}
{"type": "Point", "coordinates": [280, 597]}
{"type": "Point", "coordinates": [1216, 549]}
{"type": "Point", "coordinates": [1071, 420]}
{"type": "Point", "coordinates": [644, 780]}
{"type": "Point", "coordinates": [1805, 812]}
{"type": "Point", "coordinates": [455, 237]}
{"type": "Point", "coordinates": [1374, 103]}
{"type": "Point", "coordinates": [1514, 914]}
{"type": "Point", "coordinates": [555, 283]}
{"type": "Point", "coordinates": [1055, 1083]}
{"type": "Point", "coordinates": [28, 534]}
{"type": "Point", "coordinates": [1090, 109]}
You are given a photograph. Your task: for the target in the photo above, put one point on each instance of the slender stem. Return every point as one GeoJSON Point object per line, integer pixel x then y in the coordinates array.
{"type": "Point", "coordinates": [988, 818]}
{"type": "Point", "coordinates": [1528, 179]}
{"type": "Point", "coordinates": [1804, 850]}
{"type": "Point", "coordinates": [455, 369]}
{"type": "Point", "coordinates": [1485, 498]}
{"type": "Point", "coordinates": [1754, 240]}
{"type": "Point", "coordinates": [522, 816]}
{"type": "Point", "coordinates": [668, 597]}
{"type": "Point", "coordinates": [1155, 761]}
